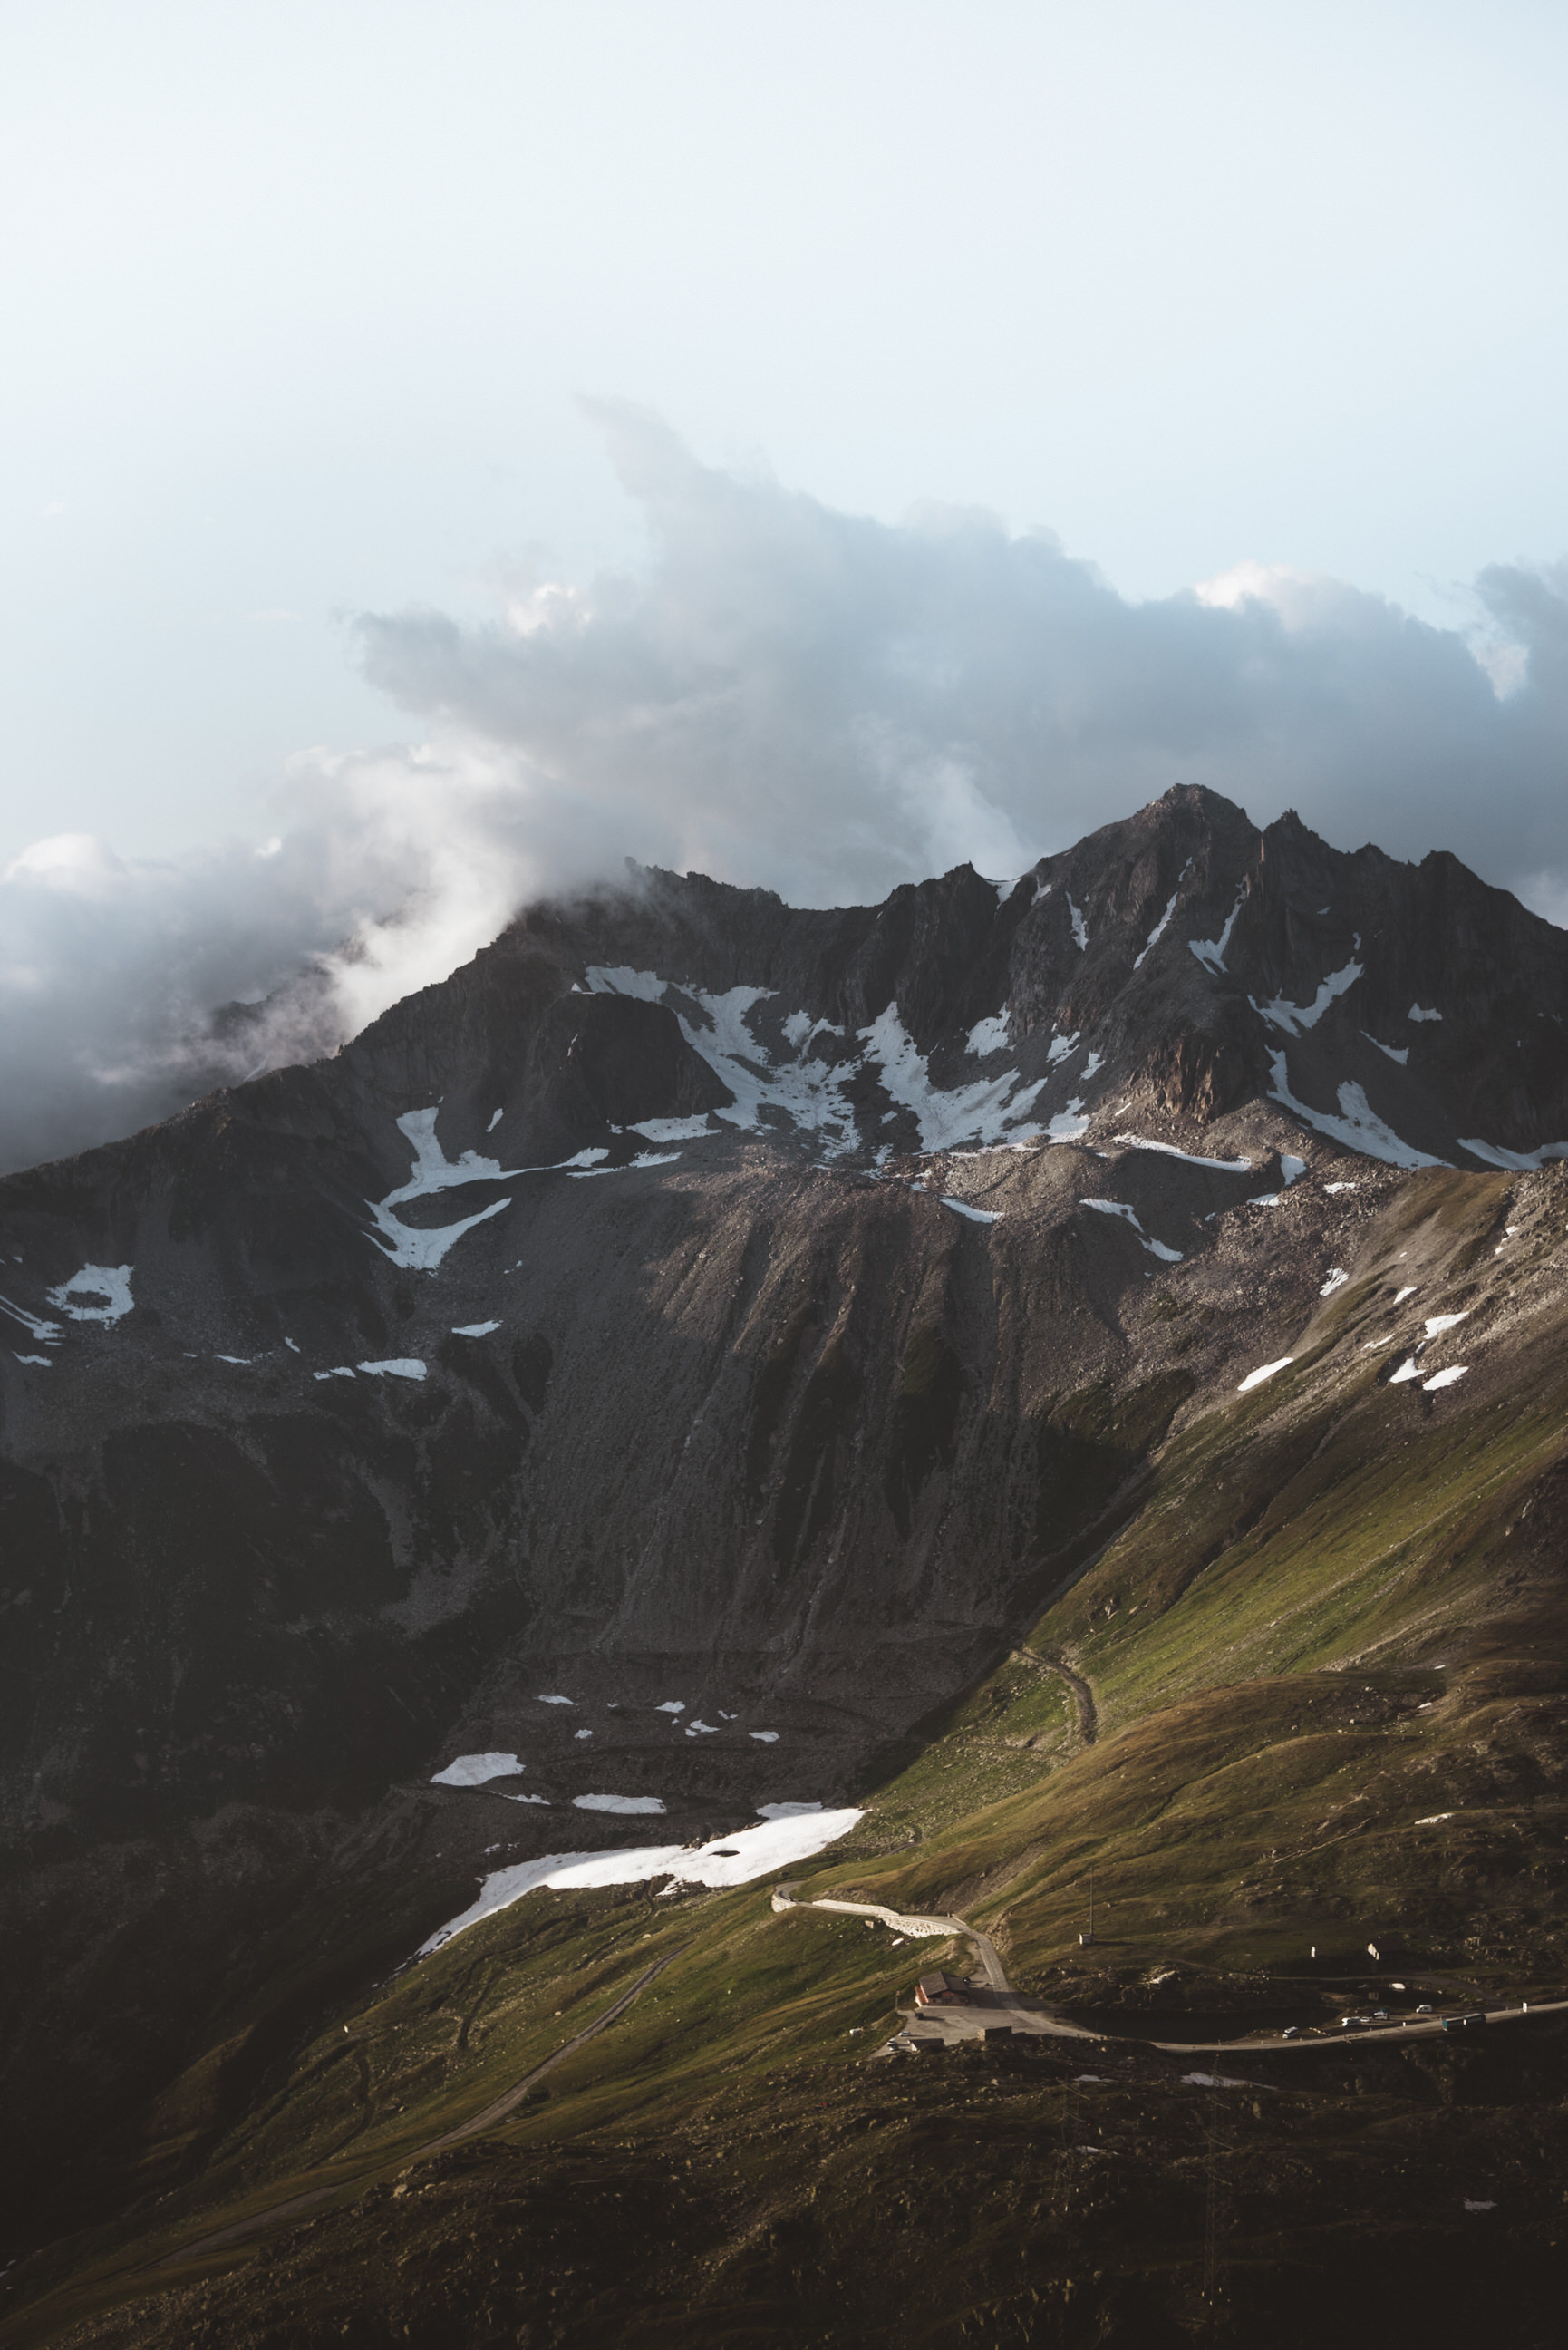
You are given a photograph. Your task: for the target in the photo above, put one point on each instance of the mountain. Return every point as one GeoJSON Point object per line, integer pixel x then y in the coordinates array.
{"type": "Point", "coordinates": [699, 1357]}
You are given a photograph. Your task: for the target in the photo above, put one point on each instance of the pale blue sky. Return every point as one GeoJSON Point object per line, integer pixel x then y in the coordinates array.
{"type": "Point", "coordinates": [299, 299]}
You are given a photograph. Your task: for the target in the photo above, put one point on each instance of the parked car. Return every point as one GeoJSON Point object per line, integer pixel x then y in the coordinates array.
{"type": "Point", "coordinates": [1380, 2015]}
{"type": "Point", "coordinates": [1353, 2023]}
{"type": "Point", "coordinates": [1425, 2007]}
{"type": "Point", "coordinates": [1292, 2031]}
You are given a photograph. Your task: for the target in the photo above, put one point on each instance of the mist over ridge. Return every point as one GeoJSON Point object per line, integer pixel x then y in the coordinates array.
{"type": "Point", "coordinates": [786, 696]}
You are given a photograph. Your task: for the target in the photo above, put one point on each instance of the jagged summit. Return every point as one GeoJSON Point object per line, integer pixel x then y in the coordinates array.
{"type": "Point", "coordinates": [1181, 962]}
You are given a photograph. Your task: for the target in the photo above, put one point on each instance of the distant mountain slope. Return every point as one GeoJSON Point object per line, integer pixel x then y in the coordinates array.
{"type": "Point", "coordinates": [679, 1351]}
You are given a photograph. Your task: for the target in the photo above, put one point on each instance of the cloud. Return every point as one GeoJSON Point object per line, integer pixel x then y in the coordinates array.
{"type": "Point", "coordinates": [831, 705]}
{"type": "Point", "coordinates": [128, 989]}
{"type": "Point", "coordinates": [784, 695]}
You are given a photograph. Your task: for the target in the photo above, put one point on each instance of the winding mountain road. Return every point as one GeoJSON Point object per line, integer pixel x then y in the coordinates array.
{"type": "Point", "coordinates": [998, 2004]}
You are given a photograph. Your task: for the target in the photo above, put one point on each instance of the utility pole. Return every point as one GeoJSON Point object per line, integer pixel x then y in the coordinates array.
{"type": "Point", "coordinates": [1211, 2213]}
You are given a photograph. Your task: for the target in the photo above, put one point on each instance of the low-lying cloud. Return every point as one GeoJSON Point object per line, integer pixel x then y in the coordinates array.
{"type": "Point", "coordinates": [787, 695]}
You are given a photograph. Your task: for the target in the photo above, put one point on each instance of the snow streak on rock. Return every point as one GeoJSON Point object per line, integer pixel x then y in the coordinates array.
{"type": "Point", "coordinates": [812, 1091]}
{"type": "Point", "coordinates": [1130, 1216]}
{"type": "Point", "coordinates": [1357, 1126]}
{"type": "Point", "coordinates": [1296, 1019]}
{"type": "Point", "coordinates": [1211, 952]}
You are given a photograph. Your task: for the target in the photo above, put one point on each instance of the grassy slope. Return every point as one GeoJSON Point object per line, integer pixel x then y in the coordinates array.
{"type": "Point", "coordinates": [1337, 1615]}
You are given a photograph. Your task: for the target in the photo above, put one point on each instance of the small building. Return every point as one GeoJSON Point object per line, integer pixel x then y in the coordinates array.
{"type": "Point", "coordinates": [941, 1990]}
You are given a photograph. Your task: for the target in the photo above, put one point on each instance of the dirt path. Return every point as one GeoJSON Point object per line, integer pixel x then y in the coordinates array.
{"type": "Point", "coordinates": [494, 2112]}
{"type": "Point", "coordinates": [1082, 1695]}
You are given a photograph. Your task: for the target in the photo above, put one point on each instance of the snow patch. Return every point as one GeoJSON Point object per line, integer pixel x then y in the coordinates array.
{"type": "Point", "coordinates": [1068, 1125]}
{"type": "Point", "coordinates": [764, 1737]}
{"type": "Point", "coordinates": [643, 1158]}
{"type": "Point", "coordinates": [232, 1358]}
{"type": "Point", "coordinates": [1063, 1046]}
{"type": "Point", "coordinates": [433, 1171]}
{"type": "Point", "coordinates": [558, 1700]}
{"type": "Point", "coordinates": [676, 1129]}
{"type": "Point", "coordinates": [338, 1371]}
{"type": "Point", "coordinates": [396, 1367]}
{"type": "Point", "coordinates": [1401, 1053]}
{"type": "Point", "coordinates": [990, 1035]}
{"type": "Point", "coordinates": [111, 1283]}
{"type": "Point", "coordinates": [1255, 1378]}
{"type": "Point", "coordinates": [731, 1860]}
{"type": "Point", "coordinates": [670, 1705]}
{"type": "Point", "coordinates": [1436, 1321]}
{"type": "Point", "coordinates": [1334, 1187]}
{"type": "Point", "coordinates": [1336, 1280]}
{"type": "Point", "coordinates": [1190, 1158]}
{"type": "Point", "coordinates": [694, 1727]}
{"type": "Point", "coordinates": [474, 1330]}
{"type": "Point", "coordinates": [43, 1361]}
{"type": "Point", "coordinates": [618, 1804]}
{"type": "Point", "coordinates": [1094, 1065]}
{"type": "Point", "coordinates": [473, 1770]}
{"type": "Point", "coordinates": [1408, 1369]}
{"type": "Point", "coordinates": [1401, 1294]}
{"type": "Point", "coordinates": [786, 1811]}
{"type": "Point", "coordinates": [978, 1113]}
{"type": "Point", "coordinates": [1294, 1168]}
{"type": "Point", "coordinates": [1444, 1378]}
{"type": "Point", "coordinates": [1415, 1013]}
{"type": "Point", "coordinates": [1521, 1161]}
{"type": "Point", "coordinates": [1356, 1126]}
{"type": "Point", "coordinates": [1080, 928]}
{"type": "Point", "coordinates": [620, 978]}
{"type": "Point", "coordinates": [495, 1117]}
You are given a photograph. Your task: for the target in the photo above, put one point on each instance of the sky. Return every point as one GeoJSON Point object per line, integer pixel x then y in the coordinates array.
{"type": "Point", "coordinates": [444, 450]}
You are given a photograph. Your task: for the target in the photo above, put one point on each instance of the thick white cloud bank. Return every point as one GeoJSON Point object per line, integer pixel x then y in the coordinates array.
{"type": "Point", "coordinates": [785, 694]}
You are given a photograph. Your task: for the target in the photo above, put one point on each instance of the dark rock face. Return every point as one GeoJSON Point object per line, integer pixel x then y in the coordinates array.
{"type": "Point", "coordinates": [686, 1301]}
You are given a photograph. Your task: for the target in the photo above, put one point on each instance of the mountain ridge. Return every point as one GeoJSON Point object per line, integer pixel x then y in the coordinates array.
{"type": "Point", "coordinates": [697, 1301]}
